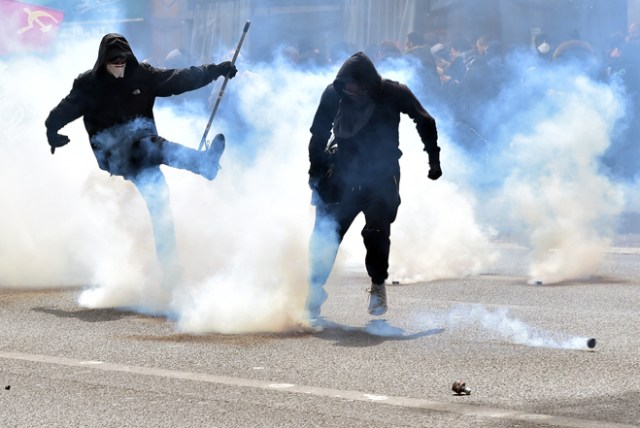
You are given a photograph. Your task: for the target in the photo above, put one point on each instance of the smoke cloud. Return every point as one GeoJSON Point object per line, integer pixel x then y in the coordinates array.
{"type": "Point", "coordinates": [557, 198]}
{"type": "Point", "coordinates": [243, 238]}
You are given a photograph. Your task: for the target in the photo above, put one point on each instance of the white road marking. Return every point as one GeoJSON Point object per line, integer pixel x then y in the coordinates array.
{"type": "Point", "coordinates": [281, 385]}
{"type": "Point", "coordinates": [375, 397]}
{"type": "Point", "coordinates": [386, 400]}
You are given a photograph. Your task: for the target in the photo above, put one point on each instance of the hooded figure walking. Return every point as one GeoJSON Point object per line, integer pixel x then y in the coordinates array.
{"type": "Point", "coordinates": [354, 155]}
{"type": "Point", "coordinates": [115, 99]}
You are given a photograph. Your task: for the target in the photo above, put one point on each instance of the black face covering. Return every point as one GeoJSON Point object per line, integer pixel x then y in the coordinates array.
{"type": "Point", "coordinates": [357, 103]}
{"type": "Point", "coordinates": [353, 114]}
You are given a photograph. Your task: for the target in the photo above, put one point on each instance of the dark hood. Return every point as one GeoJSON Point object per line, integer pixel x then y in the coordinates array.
{"type": "Point", "coordinates": [113, 45]}
{"type": "Point", "coordinates": [358, 68]}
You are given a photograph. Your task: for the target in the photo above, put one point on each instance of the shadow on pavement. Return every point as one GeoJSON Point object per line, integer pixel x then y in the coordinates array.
{"type": "Point", "coordinates": [374, 333]}
{"type": "Point", "coordinates": [240, 339]}
{"type": "Point", "coordinates": [88, 315]}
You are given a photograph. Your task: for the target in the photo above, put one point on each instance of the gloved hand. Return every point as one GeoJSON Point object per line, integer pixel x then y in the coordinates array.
{"type": "Point", "coordinates": [56, 140]}
{"type": "Point", "coordinates": [434, 171]}
{"type": "Point", "coordinates": [434, 164]}
{"type": "Point", "coordinates": [226, 69]}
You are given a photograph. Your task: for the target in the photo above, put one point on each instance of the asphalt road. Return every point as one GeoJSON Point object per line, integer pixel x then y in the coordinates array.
{"type": "Point", "coordinates": [520, 348]}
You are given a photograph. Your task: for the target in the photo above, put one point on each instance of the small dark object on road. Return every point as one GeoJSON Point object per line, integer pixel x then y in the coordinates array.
{"type": "Point", "coordinates": [591, 343]}
{"type": "Point", "coordinates": [460, 388]}
{"type": "Point", "coordinates": [8, 387]}
{"type": "Point", "coordinates": [395, 282]}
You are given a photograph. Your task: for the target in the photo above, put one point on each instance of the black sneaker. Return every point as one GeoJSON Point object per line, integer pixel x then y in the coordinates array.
{"type": "Point", "coordinates": [213, 154]}
{"type": "Point", "coordinates": [377, 299]}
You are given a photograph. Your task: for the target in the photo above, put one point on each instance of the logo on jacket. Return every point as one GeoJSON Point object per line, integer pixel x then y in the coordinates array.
{"type": "Point", "coordinates": [136, 92]}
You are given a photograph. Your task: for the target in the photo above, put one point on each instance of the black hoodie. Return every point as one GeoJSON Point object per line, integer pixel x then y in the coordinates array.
{"type": "Point", "coordinates": [374, 150]}
{"type": "Point", "coordinates": [104, 101]}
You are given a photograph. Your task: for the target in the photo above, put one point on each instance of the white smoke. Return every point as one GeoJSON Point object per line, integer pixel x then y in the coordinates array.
{"type": "Point", "coordinates": [498, 325]}
{"type": "Point", "coordinates": [555, 194]}
{"type": "Point", "coordinates": [40, 246]}
{"type": "Point", "coordinates": [243, 238]}
{"type": "Point", "coordinates": [436, 234]}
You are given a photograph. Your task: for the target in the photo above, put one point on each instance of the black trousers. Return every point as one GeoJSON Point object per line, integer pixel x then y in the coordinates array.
{"type": "Point", "coordinates": [379, 203]}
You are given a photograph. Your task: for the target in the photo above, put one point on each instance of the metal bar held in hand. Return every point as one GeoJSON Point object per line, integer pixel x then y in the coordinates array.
{"type": "Point", "coordinates": [224, 85]}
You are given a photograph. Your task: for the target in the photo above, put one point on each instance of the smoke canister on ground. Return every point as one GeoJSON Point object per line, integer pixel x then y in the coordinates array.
{"type": "Point", "coordinates": [460, 388]}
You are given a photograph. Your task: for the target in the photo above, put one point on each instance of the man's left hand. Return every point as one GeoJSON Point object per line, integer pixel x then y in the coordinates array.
{"type": "Point", "coordinates": [227, 69]}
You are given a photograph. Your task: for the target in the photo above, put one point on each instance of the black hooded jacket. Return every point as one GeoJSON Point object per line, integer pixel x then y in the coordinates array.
{"type": "Point", "coordinates": [374, 150]}
{"type": "Point", "coordinates": [104, 101]}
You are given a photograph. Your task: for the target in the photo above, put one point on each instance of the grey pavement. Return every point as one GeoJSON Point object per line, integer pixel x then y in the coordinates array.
{"type": "Point", "coordinates": [520, 348]}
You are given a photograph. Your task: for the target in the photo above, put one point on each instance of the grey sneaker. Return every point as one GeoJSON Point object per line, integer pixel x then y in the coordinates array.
{"type": "Point", "coordinates": [377, 299]}
{"type": "Point", "coordinates": [213, 154]}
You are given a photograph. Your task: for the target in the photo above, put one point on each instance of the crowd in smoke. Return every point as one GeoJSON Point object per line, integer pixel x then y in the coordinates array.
{"type": "Point", "coordinates": [535, 149]}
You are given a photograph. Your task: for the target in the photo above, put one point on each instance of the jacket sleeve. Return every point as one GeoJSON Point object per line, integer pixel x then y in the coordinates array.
{"type": "Point", "coordinates": [69, 109]}
{"type": "Point", "coordinates": [169, 82]}
{"type": "Point", "coordinates": [425, 123]}
{"type": "Point", "coordinates": [321, 130]}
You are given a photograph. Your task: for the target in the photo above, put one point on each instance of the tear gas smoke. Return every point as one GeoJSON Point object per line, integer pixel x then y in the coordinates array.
{"type": "Point", "coordinates": [380, 327]}
{"type": "Point", "coordinates": [243, 238]}
{"type": "Point", "coordinates": [499, 325]}
{"type": "Point", "coordinates": [436, 234]}
{"type": "Point", "coordinates": [554, 195]}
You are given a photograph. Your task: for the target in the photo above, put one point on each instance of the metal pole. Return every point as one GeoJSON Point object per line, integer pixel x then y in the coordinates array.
{"type": "Point", "coordinates": [203, 142]}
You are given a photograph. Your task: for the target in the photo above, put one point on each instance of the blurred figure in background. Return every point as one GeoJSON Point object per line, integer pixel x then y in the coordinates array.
{"type": "Point", "coordinates": [428, 70]}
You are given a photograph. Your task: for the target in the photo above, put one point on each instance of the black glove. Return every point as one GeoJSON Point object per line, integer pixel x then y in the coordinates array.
{"type": "Point", "coordinates": [226, 69]}
{"type": "Point", "coordinates": [434, 171]}
{"type": "Point", "coordinates": [434, 164]}
{"type": "Point", "coordinates": [56, 140]}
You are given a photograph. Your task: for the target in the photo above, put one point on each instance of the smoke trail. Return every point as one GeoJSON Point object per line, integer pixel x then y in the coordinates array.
{"type": "Point", "coordinates": [499, 325]}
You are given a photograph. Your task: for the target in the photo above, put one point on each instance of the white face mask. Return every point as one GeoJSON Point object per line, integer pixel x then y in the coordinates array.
{"type": "Point", "coordinates": [544, 48]}
{"type": "Point", "coordinates": [116, 70]}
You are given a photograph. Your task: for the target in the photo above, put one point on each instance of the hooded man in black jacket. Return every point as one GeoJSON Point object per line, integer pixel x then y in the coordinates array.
{"type": "Point", "coordinates": [354, 155]}
{"type": "Point", "coordinates": [116, 100]}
